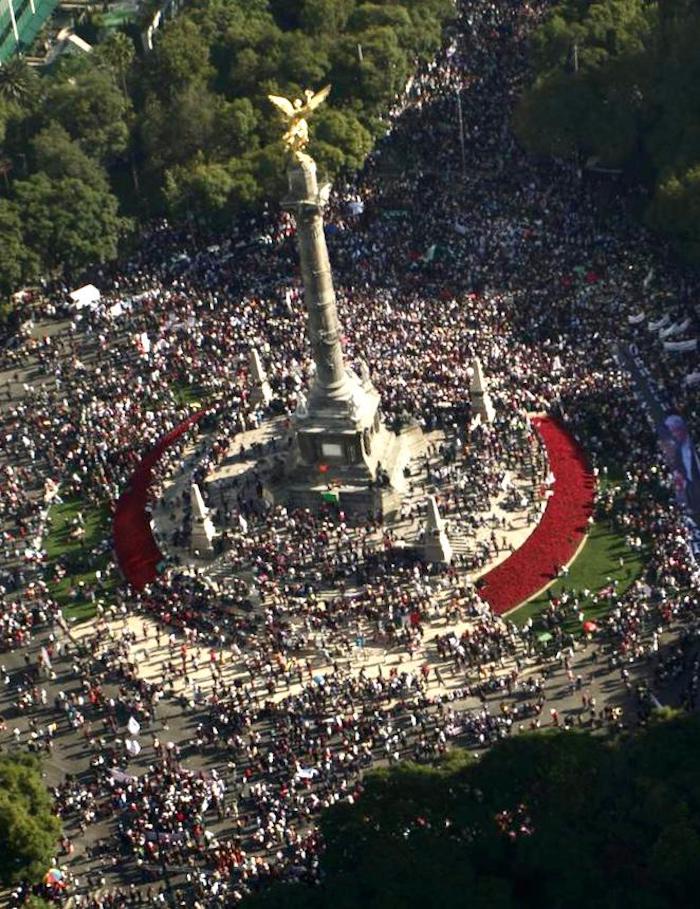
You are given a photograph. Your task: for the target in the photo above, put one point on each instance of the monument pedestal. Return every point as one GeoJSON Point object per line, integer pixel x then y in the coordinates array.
{"type": "Point", "coordinates": [344, 454]}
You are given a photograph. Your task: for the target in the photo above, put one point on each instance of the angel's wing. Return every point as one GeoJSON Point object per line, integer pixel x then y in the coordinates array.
{"type": "Point", "coordinates": [283, 104]}
{"type": "Point", "coordinates": [319, 97]}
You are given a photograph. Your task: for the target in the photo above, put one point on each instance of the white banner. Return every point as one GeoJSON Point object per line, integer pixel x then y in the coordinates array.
{"type": "Point", "coordinates": [120, 776]}
{"type": "Point", "coordinates": [88, 295]}
{"type": "Point", "coordinates": [676, 329]}
{"type": "Point", "coordinates": [681, 346]}
{"type": "Point", "coordinates": [655, 326]}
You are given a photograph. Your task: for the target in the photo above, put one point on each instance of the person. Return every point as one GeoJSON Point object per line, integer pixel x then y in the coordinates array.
{"type": "Point", "coordinates": [683, 460]}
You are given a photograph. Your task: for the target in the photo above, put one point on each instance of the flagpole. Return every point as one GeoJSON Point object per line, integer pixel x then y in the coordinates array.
{"type": "Point", "coordinates": [460, 122]}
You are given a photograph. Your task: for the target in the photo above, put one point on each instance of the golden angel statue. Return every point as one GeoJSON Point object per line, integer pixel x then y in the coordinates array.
{"type": "Point", "coordinates": [297, 136]}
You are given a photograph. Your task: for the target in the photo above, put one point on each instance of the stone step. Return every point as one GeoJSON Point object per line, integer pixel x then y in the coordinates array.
{"type": "Point", "coordinates": [462, 545]}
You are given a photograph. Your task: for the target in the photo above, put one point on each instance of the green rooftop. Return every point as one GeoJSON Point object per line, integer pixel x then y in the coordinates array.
{"type": "Point", "coordinates": [29, 23]}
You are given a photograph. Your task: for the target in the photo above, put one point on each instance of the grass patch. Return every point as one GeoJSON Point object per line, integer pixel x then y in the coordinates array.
{"type": "Point", "coordinates": [596, 565]}
{"type": "Point", "coordinates": [188, 395]}
{"type": "Point", "coordinates": [81, 558]}
{"type": "Point", "coordinates": [61, 517]}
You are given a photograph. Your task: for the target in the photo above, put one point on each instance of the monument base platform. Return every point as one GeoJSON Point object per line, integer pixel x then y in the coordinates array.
{"type": "Point", "coordinates": [358, 503]}
{"type": "Point", "coordinates": [355, 489]}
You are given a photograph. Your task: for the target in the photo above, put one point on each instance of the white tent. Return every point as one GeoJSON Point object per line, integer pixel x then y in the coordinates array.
{"type": "Point", "coordinates": [85, 296]}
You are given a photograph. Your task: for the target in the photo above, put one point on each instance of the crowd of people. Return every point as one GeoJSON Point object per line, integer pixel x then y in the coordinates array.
{"type": "Point", "coordinates": [506, 259]}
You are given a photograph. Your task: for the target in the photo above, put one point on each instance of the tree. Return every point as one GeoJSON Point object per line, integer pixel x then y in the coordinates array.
{"type": "Point", "coordinates": [118, 53]}
{"type": "Point", "coordinates": [591, 71]}
{"type": "Point", "coordinates": [199, 102]}
{"type": "Point", "coordinates": [239, 126]}
{"type": "Point", "coordinates": [341, 142]}
{"type": "Point", "coordinates": [547, 819]}
{"type": "Point", "coordinates": [619, 81]}
{"type": "Point", "coordinates": [315, 17]}
{"type": "Point", "coordinates": [4, 116]}
{"type": "Point", "coordinates": [193, 121]}
{"type": "Point", "coordinates": [428, 17]}
{"type": "Point", "coordinates": [674, 139]}
{"type": "Point", "coordinates": [324, 16]}
{"type": "Point", "coordinates": [246, 192]}
{"type": "Point", "coordinates": [200, 190]}
{"type": "Point", "coordinates": [256, 63]}
{"type": "Point", "coordinates": [268, 166]}
{"type": "Point", "coordinates": [68, 223]}
{"type": "Point", "coordinates": [675, 210]}
{"type": "Point", "coordinates": [373, 79]}
{"type": "Point", "coordinates": [28, 829]}
{"type": "Point", "coordinates": [19, 83]}
{"type": "Point", "coordinates": [18, 264]}
{"type": "Point", "coordinates": [180, 59]}
{"type": "Point", "coordinates": [390, 15]}
{"type": "Point", "coordinates": [303, 60]}
{"type": "Point", "coordinates": [58, 156]}
{"type": "Point", "coordinates": [92, 109]}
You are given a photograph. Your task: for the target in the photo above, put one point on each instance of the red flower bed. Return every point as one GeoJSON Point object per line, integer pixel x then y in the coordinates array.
{"type": "Point", "coordinates": [137, 553]}
{"type": "Point", "coordinates": [560, 531]}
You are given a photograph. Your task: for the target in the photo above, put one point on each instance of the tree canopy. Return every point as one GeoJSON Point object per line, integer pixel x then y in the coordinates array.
{"type": "Point", "coordinates": [541, 820]}
{"type": "Point", "coordinates": [617, 82]}
{"type": "Point", "coordinates": [17, 262]}
{"type": "Point", "coordinates": [28, 829]}
{"type": "Point", "coordinates": [67, 222]}
{"type": "Point", "coordinates": [187, 129]}
{"type": "Point", "coordinates": [215, 65]}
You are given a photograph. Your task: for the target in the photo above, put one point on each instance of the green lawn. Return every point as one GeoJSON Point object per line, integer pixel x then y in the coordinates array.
{"type": "Point", "coordinates": [187, 395]}
{"type": "Point", "coordinates": [596, 565]}
{"type": "Point", "coordinates": [77, 555]}
{"type": "Point", "coordinates": [61, 517]}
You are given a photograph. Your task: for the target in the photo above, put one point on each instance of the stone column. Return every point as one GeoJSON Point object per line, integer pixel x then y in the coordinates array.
{"type": "Point", "coordinates": [331, 383]}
